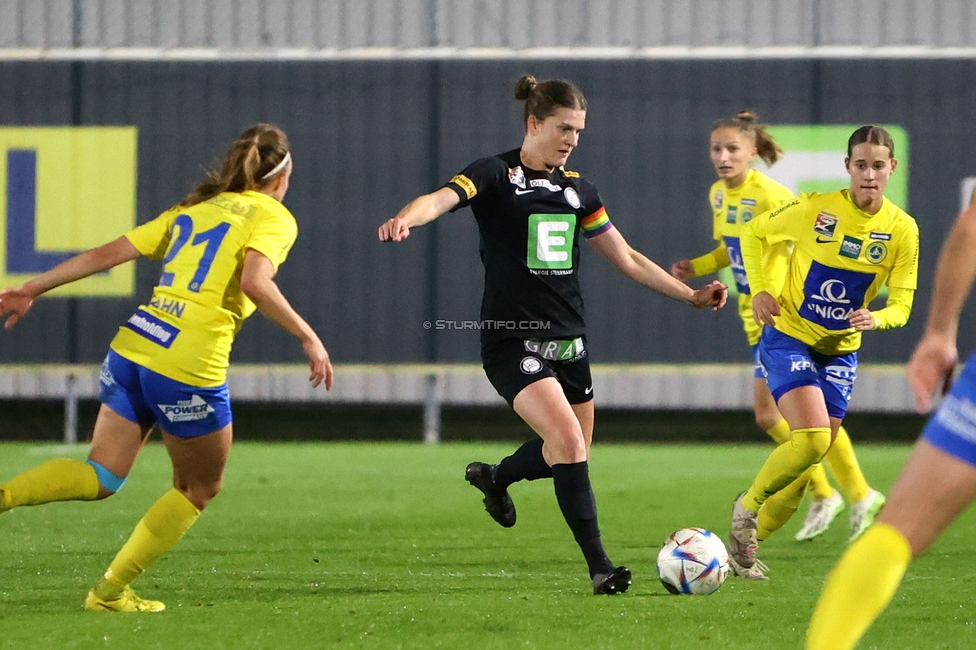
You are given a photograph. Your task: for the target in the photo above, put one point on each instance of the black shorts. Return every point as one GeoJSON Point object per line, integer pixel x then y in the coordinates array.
{"type": "Point", "coordinates": [513, 364]}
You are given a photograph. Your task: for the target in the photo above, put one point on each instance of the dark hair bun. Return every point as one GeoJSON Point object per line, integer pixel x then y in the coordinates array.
{"type": "Point", "coordinates": [525, 86]}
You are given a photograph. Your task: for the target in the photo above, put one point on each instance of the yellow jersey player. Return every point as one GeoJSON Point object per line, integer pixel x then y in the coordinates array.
{"type": "Point", "coordinates": [740, 194]}
{"type": "Point", "coordinates": [846, 245]}
{"type": "Point", "coordinates": [939, 479]}
{"type": "Point", "coordinates": [220, 249]}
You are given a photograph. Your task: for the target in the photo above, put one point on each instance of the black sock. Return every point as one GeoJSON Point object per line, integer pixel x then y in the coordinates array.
{"type": "Point", "coordinates": [526, 464]}
{"type": "Point", "coordinates": [575, 497]}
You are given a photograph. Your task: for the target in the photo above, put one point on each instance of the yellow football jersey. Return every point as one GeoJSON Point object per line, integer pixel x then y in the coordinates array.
{"type": "Point", "coordinates": [841, 257]}
{"type": "Point", "coordinates": [732, 209]}
{"type": "Point", "coordinates": [187, 329]}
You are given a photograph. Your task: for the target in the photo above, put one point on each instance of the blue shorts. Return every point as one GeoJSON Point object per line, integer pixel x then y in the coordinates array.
{"type": "Point", "coordinates": [788, 363]}
{"type": "Point", "coordinates": [146, 397]}
{"type": "Point", "coordinates": [757, 370]}
{"type": "Point", "coordinates": [953, 426]}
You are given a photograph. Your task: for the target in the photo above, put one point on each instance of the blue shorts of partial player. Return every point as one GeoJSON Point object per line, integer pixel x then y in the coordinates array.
{"type": "Point", "coordinates": [953, 426]}
{"type": "Point", "coordinates": [146, 397]}
{"type": "Point", "coordinates": [789, 363]}
{"type": "Point", "coordinates": [757, 370]}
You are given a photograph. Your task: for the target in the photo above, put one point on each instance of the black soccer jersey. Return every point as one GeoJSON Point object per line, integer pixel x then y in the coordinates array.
{"type": "Point", "coordinates": [530, 222]}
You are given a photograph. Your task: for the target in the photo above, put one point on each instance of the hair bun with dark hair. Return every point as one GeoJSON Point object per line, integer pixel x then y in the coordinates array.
{"type": "Point", "coordinates": [525, 86]}
{"type": "Point", "coordinates": [747, 116]}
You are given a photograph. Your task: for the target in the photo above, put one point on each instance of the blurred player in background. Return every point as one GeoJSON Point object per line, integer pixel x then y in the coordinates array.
{"type": "Point", "coordinates": [530, 213]}
{"type": "Point", "coordinates": [846, 245]}
{"type": "Point", "coordinates": [220, 248]}
{"type": "Point", "coordinates": [939, 479]}
{"type": "Point", "coordinates": [740, 194]}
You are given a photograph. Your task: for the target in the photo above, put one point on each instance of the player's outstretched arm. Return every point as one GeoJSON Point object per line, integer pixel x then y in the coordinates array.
{"type": "Point", "coordinates": [683, 270]}
{"type": "Point", "coordinates": [257, 283]}
{"type": "Point", "coordinates": [421, 210]}
{"type": "Point", "coordinates": [16, 302]}
{"type": "Point", "coordinates": [611, 245]}
{"type": "Point", "coordinates": [706, 264]}
{"type": "Point", "coordinates": [936, 354]}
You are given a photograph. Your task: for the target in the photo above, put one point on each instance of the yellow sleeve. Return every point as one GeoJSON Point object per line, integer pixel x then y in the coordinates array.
{"type": "Point", "coordinates": [904, 272]}
{"type": "Point", "coordinates": [711, 262]}
{"type": "Point", "coordinates": [777, 195]}
{"type": "Point", "coordinates": [896, 310]}
{"type": "Point", "coordinates": [152, 238]}
{"type": "Point", "coordinates": [768, 228]}
{"type": "Point", "coordinates": [274, 234]}
{"type": "Point", "coordinates": [776, 266]}
{"type": "Point", "coordinates": [718, 215]}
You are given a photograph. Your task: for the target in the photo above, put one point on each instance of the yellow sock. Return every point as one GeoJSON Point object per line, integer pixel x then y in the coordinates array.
{"type": "Point", "coordinates": [842, 463]}
{"type": "Point", "coordinates": [158, 531]}
{"type": "Point", "coordinates": [61, 479]}
{"type": "Point", "coordinates": [819, 486]}
{"type": "Point", "coordinates": [779, 432]}
{"type": "Point", "coordinates": [778, 508]}
{"type": "Point", "coordinates": [858, 588]}
{"type": "Point", "coordinates": [786, 463]}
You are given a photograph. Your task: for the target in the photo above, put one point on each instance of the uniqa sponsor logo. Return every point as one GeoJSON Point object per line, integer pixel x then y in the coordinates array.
{"type": "Point", "coordinates": [735, 258]}
{"type": "Point", "coordinates": [832, 292]}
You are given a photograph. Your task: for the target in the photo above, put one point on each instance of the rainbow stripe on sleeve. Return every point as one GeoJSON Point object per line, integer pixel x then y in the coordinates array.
{"type": "Point", "coordinates": [596, 224]}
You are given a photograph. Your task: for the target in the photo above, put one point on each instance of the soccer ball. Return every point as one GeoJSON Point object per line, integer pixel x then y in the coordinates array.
{"type": "Point", "coordinates": [693, 561]}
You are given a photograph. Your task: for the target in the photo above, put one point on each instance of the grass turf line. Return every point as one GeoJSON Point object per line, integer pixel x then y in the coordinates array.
{"type": "Point", "coordinates": [383, 545]}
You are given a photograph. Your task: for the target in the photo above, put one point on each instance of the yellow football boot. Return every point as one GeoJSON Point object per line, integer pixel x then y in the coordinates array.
{"type": "Point", "coordinates": [126, 602]}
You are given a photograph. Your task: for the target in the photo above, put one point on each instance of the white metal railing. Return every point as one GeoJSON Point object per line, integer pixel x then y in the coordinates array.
{"type": "Point", "coordinates": [473, 24]}
{"type": "Point", "coordinates": [481, 53]}
{"type": "Point", "coordinates": [708, 387]}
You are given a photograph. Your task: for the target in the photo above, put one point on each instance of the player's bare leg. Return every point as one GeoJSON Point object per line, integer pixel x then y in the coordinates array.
{"type": "Point", "coordinates": [933, 489]}
{"type": "Point", "coordinates": [198, 467]}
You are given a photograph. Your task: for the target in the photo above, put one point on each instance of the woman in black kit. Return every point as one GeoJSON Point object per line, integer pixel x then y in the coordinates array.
{"type": "Point", "coordinates": [530, 213]}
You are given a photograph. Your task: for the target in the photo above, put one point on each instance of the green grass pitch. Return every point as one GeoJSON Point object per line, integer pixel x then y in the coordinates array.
{"type": "Point", "coordinates": [383, 545]}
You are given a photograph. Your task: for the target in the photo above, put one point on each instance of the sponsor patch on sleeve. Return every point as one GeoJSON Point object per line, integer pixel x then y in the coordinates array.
{"type": "Point", "coordinates": [466, 184]}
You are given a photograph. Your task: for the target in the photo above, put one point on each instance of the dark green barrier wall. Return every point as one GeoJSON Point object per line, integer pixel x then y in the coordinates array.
{"type": "Point", "coordinates": [369, 136]}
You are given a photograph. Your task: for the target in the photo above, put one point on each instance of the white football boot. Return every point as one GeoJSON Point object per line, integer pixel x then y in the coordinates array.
{"type": "Point", "coordinates": [821, 514]}
{"type": "Point", "coordinates": [863, 513]}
